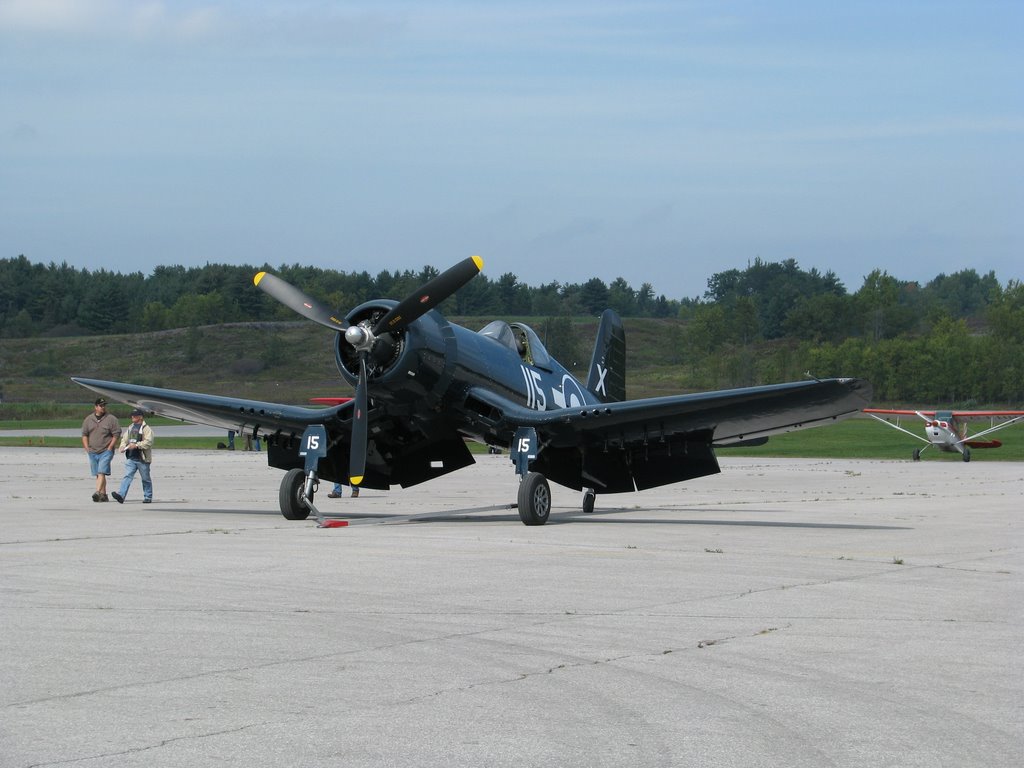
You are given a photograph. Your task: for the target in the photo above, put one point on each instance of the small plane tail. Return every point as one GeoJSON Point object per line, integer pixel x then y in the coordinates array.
{"type": "Point", "coordinates": [607, 376]}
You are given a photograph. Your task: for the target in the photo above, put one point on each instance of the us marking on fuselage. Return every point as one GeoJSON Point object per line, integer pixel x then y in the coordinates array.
{"type": "Point", "coordinates": [568, 394]}
{"type": "Point", "coordinates": [535, 397]}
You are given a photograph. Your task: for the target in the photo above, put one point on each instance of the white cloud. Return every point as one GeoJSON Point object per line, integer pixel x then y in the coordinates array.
{"type": "Point", "coordinates": [49, 15]}
{"type": "Point", "coordinates": [115, 18]}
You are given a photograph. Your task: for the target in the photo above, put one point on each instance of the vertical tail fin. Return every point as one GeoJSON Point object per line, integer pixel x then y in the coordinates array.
{"type": "Point", "coordinates": [607, 376]}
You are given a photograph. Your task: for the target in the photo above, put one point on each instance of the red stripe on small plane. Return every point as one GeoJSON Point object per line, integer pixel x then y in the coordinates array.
{"type": "Point", "coordinates": [335, 524]}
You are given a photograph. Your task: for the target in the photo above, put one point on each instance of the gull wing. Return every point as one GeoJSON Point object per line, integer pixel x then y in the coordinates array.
{"type": "Point", "coordinates": [215, 410]}
{"type": "Point", "coordinates": [727, 416]}
{"type": "Point", "coordinates": [636, 444]}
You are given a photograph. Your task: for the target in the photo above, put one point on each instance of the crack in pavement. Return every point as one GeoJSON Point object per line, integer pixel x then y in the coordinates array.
{"type": "Point", "coordinates": [147, 748]}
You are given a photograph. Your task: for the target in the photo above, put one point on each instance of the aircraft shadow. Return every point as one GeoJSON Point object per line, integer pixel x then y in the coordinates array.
{"type": "Point", "coordinates": [560, 518]}
{"type": "Point", "coordinates": [601, 517]}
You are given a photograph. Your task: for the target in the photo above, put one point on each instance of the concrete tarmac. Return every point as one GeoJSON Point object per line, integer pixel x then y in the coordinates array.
{"type": "Point", "coordinates": [783, 613]}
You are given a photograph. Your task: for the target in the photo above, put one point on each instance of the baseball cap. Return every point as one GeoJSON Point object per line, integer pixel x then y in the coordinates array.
{"type": "Point", "coordinates": [101, 401]}
{"type": "Point", "coordinates": [138, 412]}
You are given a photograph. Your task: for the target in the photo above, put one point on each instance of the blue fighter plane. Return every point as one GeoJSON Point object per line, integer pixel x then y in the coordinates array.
{"type": "Point", "coordinates": [424, 386]}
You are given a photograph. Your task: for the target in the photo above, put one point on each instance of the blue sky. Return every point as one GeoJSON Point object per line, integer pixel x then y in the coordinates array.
{"type": "Point", "coordinates": [657, 141]}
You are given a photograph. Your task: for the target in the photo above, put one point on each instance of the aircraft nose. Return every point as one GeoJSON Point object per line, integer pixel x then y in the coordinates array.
{"type": "Point", "coordinates": [356, 336]}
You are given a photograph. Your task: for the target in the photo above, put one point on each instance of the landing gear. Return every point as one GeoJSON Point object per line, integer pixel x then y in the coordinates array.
{"type": "Point", "coordinates": [291, 496]}
{"type": "Point", "coordinates": [534, 499]}
{"type": "Point", "coordinates": [588, 501]}
{"type": "Point", "coordinates": [967, 454]}
{"type": "Point", "coordinates": [917, 454]}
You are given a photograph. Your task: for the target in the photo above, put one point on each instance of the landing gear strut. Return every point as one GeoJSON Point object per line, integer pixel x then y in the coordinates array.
{"type": "Point", "coordinates": [299, 485]}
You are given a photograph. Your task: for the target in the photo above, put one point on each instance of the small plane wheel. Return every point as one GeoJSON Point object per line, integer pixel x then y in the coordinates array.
{"type": "Point", "coordinates": [534, 499]}
{"type": "Point", "coordinates": [588, 501]}
{"type": "Point", "coordinates": [967, 454]}
{"type": "Point", "coordinates": [917, 454]}
{"type": "Point", "coordinates": [293, 504]}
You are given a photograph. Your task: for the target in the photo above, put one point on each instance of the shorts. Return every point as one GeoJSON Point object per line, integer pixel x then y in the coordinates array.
{"type": "Point", "coordinates": [99, 463]}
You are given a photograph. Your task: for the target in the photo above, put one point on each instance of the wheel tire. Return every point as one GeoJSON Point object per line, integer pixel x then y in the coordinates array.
{"type": "Point", "coordinates": [293, 505]}
{"type": "Point", "coordinates": [534, 499]}
{"type": "Point", "coordinates": [967, 454]}
{"type": "Point", "coordinates": [588, 502]}
{"type": "Point", "coordinates": [917, 454]}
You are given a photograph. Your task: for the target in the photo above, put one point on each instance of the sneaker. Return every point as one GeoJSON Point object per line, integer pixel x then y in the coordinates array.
{"type": "Point", "coordinates": [355, 492]}
{"type": "Point", "coordinates": [333, 495]}
{"type": "Point", "coordinates": [95, 497]}
{"type": "Point", "coordinates": [147, 501]}
{"type": "Point", "coordinates": [118, 497]}
{"type": "Point", "coordinates": [103, 497]}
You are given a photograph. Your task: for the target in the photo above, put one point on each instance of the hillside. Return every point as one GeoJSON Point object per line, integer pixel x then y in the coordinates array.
{"type": "Point", "coordinates": [277, 361]}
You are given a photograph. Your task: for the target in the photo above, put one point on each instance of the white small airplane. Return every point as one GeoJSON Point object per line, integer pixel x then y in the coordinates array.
{"type": "Point", "coordinates": [947, 430]}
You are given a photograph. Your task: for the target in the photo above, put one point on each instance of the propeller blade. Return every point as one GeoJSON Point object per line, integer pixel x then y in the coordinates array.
{"type": "Point", "coordinates": [295, 299]}
{"type": "Point", "coordinates": [357, 451]}
{"type": "Point", "coordinates": [429, 295]}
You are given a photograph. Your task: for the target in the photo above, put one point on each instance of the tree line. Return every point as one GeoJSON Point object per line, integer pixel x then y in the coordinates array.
{"type": "Point", "coordinates": [59, 300]}
{"type": "Point", "coordinates": [958, 337]}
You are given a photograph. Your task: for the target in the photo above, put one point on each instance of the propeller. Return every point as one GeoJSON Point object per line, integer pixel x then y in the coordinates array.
{"type": "Point", "coordinates": [362, 339]}
{"type": "Point", "coordinates": [357, 458]}
{"type": "Point", "coordinates": [429, 295]}
{"type": "Point", "coordinates": [295, 299]}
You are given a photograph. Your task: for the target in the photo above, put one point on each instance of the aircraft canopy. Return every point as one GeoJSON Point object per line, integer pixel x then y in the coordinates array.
{"type": "Point", "coordinates": [520, 337]}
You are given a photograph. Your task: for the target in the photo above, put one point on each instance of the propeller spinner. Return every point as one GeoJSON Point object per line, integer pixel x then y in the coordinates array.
{"type": "Point", "coordinates": [362, 339]}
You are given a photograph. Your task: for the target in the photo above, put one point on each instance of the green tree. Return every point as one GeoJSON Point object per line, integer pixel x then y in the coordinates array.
{"type": "Point", "coordinates": [622, 298]}
{"type": "Point", "coordinates": [876, 301]}
{"type": "Point", "coordinates": [594, 296]}
{"type": "Point", "coordinates": [155, 317]}
{"type": "Point", "coordinates": [821, 317]}
{"type": "Point", "coordinates": [1006, 314]}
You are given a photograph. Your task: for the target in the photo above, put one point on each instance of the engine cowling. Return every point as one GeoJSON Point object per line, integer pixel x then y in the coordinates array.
{"type": "Point", "coordinates": [414, 363]}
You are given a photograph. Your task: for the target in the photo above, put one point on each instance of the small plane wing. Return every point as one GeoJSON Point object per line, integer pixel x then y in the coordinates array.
{"type": "Point", "coordinates": [215, 410]}
{"type": "Point", "coordinates": [900, 412]}
{"type": "Point", "coordinates": [1008, 418]}
{"type": "Point", "coordinates": [982, 415]}
{"type": "Point", "coordinates": [997, 419]}
{"type": "Point", "coordinates": [959, 415]}
{"type": "Point", "coordinates": [880, 414]}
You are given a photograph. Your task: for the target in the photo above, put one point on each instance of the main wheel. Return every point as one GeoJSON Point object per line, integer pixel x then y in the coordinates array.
{"type": "Point", "coordinates": [967, 454]}
{"type": "Point", "coordinates": [534, 499]}
{"type": "Point", "coordinates": [293, 505]}
{"type": "Point", "coordinates": [917, 454]}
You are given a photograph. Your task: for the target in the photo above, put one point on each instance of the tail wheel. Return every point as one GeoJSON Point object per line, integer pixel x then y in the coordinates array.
{"type": "Point", "coordinates": [588, 501]}
{"type": "Point", "coordinates": [534, 499]}
{"type": "Point", "coordinates": [293, 504]}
